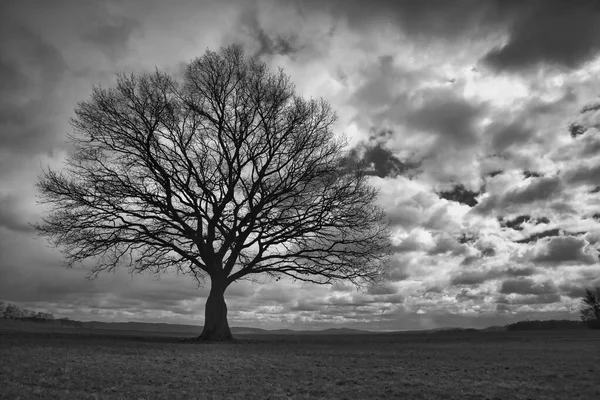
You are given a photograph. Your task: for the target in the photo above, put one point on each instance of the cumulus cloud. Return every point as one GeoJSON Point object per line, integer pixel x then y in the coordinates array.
{"type": "Point", "coordinates": [584, 173]}
{"type": "Point", "coordinates": [461, 195]}
{"type": "Point", "coordinates": [378, 160]}
{"type": "Point", "coordinates": [548, 32]}
{"type": "Point", "coordinates": [527, 286]}
{"type": "Point", "coordinates": [563, 250]}
{"type": "Point", "coordinates": [546, 298]}
{"type": "Point", "coordinates": [473, 278]}
{"type": "Point", "coordinates": [542, 189]}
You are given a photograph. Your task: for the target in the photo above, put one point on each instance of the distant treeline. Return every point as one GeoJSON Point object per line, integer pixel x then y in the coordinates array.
{"type": "Point", "coordinates": [552, 324]}
{"type": "Point", "coordinates": [12, 312]}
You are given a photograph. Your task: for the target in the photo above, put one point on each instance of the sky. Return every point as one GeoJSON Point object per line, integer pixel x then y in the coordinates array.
{"type": "Point", "coordinates": [478, 118]}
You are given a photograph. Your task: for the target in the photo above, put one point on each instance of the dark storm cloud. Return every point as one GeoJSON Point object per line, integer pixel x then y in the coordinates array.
{"type": "Point", "coordinates": [438, 18]}
{"type": "Point", "coordinates": [379, 160]}
{"type": "Point", "coordinates": [555, 32]}
{"type": "Point", "coordinates": [461, 195]}
{"type": "Point", "coordinates": [473, 278]}
{"type": "Point", "coordinates": [572, 290]}
{"type": "Point", "coordinates": [563, 250]}
{"type": "Point", "coordinates": [583, 174]}
{"type": "Point", "coordinates": [527, 299]}
{"type": "Point", "coordinates": [388, 96]}
{"type": "Point", "coordinates": [516, 223]}
{"type": "Point", "coordinates": [539, 189]}
{"type": "Point", "coordinates": [527, 286]}
{"type": "Point", "coordinates": [517, 272]}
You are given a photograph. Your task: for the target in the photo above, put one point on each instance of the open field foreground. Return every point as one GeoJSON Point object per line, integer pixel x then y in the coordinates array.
{"type": "Point", "coordinates": [473, 365]}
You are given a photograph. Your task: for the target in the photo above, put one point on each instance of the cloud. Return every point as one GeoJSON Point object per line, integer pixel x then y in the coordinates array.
{"type": "Point", "coordinates": [11, 215]}
{"type": "Point", "coordinates": [379, 160]}
{"type": "Point", "coordinates": [572, 290]}
{"type": "Point", "coordinates": [398, 271]}
{"type": "Point", "coordinates": [473, 278]}
{"type": "Point", "coordinates": [539, 235]}
{"type": "Point", "coordinates": [417, 240]}
{"type": "Point", "coordinates": [505, 135]}
{"type": "Point", "coordinates": [112, 36]}
{"type": "Point", "coordinates": [448, 116]}
{"type": "Point", "coordinates": [526, 271]}
{"type": "Point", "coordinates": [445, 244]}
{"type": "Point", "coordinates": [31, 70]}
{"type": "Point", "coordinates": [434, 18]}
{"type": "Point", "coordinates": [537, 189]}
{"type": "Point", "coordinates": [527, 286]}
{"type": "Point", "coordinates": [465, 295]}
{"type": "Point", "coordinates": [551, 32]}
{"type": "Point", "coordinates": [518, 222]}
{"type": "Point", "coordinates": [546, 298]}
{"type": "Point", "coordinates": [461, 195]}
{"type": "Point", "coordinates": [563, 250]}
{"type": "Point", "coordinates": [586, 173]}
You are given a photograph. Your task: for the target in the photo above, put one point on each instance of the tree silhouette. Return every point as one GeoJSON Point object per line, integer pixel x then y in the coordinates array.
{"type": "Point", "coordinates": [590, 308]}
{"type": "Point", "coordinates": [224, 174]}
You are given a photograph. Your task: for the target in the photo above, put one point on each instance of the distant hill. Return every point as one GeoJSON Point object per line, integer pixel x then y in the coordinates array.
{"type": "Point", "coordinates": [181, 330]}
{"type": "Point", "coordinates": [161, 329]}
{"type": "Point", "coordinates": [495, 328]}
{"type": "Point", "coordinates": [552, 324]}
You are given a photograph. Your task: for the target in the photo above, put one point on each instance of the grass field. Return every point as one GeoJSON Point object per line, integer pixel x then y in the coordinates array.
{"type": "Point", "coordinates": [477, 365]}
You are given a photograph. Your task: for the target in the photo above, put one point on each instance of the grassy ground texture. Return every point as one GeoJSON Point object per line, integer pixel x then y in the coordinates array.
{"type": "Point", "coordinates": [473, 365]}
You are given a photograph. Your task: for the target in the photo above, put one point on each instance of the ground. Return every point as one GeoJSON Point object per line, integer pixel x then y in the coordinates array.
{"type": "Point", "coordinates": [472, 365]}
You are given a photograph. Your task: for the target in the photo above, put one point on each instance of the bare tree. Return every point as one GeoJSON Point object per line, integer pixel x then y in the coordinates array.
{"type": "Point", "coordinates": [590, 308]}
{"type": "Point", "coordinates": [226, 174]}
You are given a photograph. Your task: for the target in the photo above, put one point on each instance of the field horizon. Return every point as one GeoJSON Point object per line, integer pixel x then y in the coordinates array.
{"type": "Point", "coordinates": [184, 330]}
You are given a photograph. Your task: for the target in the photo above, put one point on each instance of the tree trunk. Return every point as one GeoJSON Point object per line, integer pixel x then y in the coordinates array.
{"type": "Point", "coordinates": [216, 327]}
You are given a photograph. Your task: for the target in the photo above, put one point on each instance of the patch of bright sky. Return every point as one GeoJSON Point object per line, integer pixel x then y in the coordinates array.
{"type": "Point", "coordinates": [500, 91]}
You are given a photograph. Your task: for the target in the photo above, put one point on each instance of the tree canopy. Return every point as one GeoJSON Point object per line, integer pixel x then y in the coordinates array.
{"type": "Point", "coordinates": [590, 308]}
{"type": "Point", "coordinates": [224, 174]}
